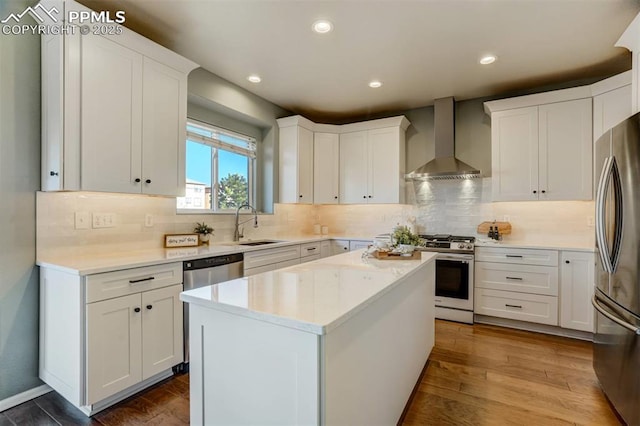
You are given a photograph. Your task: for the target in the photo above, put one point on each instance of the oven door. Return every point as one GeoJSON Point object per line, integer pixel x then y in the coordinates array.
{"type": "Point", "coordinates": [454, 281]}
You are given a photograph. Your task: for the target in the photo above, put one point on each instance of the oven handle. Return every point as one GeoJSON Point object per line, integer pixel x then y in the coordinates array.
{"type": "Point", "coordinates": [454, 256]}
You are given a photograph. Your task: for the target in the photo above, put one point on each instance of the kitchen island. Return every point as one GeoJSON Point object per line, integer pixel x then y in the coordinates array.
{"type": "Point", "coordinates": [341, 340]}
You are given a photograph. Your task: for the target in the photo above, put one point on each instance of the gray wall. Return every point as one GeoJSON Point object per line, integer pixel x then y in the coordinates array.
{"type": "Point", "coordinates": [19, 179]}
{"type": "Point", "coordinates": [210, 92]}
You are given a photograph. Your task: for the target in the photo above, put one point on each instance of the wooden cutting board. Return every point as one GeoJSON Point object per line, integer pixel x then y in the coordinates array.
{"type": "Point", "coordinates": [503, 227]}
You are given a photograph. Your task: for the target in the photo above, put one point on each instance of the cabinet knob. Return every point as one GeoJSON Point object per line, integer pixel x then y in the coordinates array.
{"type": "Point", "coordinates": [148, 181]}
{"type": "Point", "coordinates": [566, 261]}
{"type": "Point", "coordinates": [137, 180]}
{"type": "Point", "coordinates": [543, 191]}
{"type": "Point", "coordinates": [335, 198]}
{"type": "Point", "coordinates": [535, 192]}
{"type": "Point", "coordinates": [136, 310]}
{"type": "Point", "coordinates": [52, 173]}
{"type": "Point", "coordinates": [300, 195]}
{"type": "Point", "coordinates": [370, 196]}
{"type": "Point", "coordinates": [364, 196]}
{"type": "Point", "coordinates": [149, 307]}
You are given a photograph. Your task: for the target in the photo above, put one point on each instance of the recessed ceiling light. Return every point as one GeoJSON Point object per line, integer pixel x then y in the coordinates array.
{"type": "Point", "coordinates": [322, 26]}
{"type": "Point", "coordinates": [375, 84]}
{"type": "Point", "coordinates": [486, 60]}
{"type": "Point", "coordinates": [254, 78]}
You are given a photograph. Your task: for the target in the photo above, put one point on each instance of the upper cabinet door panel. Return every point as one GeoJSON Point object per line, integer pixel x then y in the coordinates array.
{"type": "Point", "coordinates": [305, 165]}
{"type": "Point", "coordinates": [111, 108]}
{"type": "Point", "coordinates": [353, 167]}
{"type": "Point", "coordinates": [164, 129]}
{"type": "Point", "coordinates": [565, 150]}
{"type": "Point", "coordinates": [326, 168]}
{"type": "Point", "coordinates": [384, 158]}
{"type": "Point", "coordinates": [514, 157]}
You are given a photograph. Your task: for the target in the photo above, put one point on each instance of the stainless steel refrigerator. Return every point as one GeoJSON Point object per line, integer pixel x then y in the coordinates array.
{"type": "Point", "coordinates": [616, 356]}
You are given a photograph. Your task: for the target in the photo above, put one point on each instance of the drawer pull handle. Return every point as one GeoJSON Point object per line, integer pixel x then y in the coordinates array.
{"type": "Point", "coordinates": [512, 306]}
{"type": "Point", "coordinates": [311, 248]}
{"type": "Point", "coordinates": [141, 280]}
{"type": "Point", "coordinates": [514, 278]}
{"type": "Point", "coordinates": [519, 256]}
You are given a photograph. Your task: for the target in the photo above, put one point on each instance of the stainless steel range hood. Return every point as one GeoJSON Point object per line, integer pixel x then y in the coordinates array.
{"type": "Point", "coordinates": [444, 165]}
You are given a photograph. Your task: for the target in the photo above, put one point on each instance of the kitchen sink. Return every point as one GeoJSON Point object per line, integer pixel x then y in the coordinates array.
{"type": "Point", "coordinates": [258, 243]}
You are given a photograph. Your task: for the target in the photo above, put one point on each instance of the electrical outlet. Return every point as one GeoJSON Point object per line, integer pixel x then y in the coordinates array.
{"type": "Point", "coordinates": [591, 221]}
{"type": "Point", "coordinates": [103, 220]}
{"type": "Point", "coordinates": [506, 218]}
{"type": "Point", "coordinates": [82, 220]}
{"type": "Point", "coordinates": [148, 220]}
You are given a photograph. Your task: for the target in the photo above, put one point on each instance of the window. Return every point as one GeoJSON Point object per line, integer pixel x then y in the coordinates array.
{"type": "Point", "coordinates": [220, 168]}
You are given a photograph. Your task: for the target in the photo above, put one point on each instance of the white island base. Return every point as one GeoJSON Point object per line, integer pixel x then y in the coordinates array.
{"type": "Point", "coordinates": [340, 341]}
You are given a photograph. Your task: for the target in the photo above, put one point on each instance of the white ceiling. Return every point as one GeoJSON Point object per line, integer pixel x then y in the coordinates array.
{"type": "Point", "coordinates": [420, 50]}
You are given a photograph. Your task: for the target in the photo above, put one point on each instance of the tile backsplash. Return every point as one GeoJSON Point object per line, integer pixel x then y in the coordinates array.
{"type": "Point", "coordinates": [454, 206]}
{"type": "Point", "coordinates": [56, 221]}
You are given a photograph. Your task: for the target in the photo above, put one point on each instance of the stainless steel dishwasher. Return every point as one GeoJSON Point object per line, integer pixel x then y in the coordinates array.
{"type": "Point", "coordinates": [204, 272]}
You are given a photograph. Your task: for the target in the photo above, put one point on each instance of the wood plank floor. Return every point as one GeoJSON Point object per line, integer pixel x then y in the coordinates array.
{"type": "Point", "coordinates": [477, 375]}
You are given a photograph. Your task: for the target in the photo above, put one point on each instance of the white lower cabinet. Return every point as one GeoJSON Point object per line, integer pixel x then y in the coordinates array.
{"type": "Point", "coordinates": [576, 290]}
{"type": "Point", "coordinates": [518, 306]}
{"type": "Point", "coordinates": [339, 246]}
{"type": "Point", "coordinates": [359, 244]}
{"type": "Point", "coordinates": [104, 336]}
{"type": "Point", "coordinates": [518, 284]}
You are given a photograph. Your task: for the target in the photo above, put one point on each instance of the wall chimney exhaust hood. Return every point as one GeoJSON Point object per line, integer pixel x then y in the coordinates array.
{"type": "Point", "coordinates": [444, 165]}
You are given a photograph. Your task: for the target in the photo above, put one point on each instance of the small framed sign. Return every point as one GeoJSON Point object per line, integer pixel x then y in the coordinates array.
{"type": "Point", "coordinates": [181, 240]}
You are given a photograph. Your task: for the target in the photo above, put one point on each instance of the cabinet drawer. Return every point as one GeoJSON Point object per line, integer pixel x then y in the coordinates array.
{"type": "Point", "coordinates": [128, 281]}
{"type": "Point", "coordinates": [310, 258]}
{"type": "Point", "coordinates": [253, 259]}
{"type": "Point", "coordinates": [271, 267]}
{"type": "Point", "coordinates": [517, 255]}
{"type": "Point", "coordinates": [309, 249]}
{"type": "Point", "coordinates": [517, 306]}
{"type": "Point", "coordinates": [518, 278]}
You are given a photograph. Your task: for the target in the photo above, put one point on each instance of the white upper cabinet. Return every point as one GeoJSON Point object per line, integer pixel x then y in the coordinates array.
{"type": "Point", "coordinates": [611, 102]}
{"type": "Point", "coordinates": [631, 40]}
{"type": "Point", "coordinates": [372, 166]}
{"type": "Point", "coordinates": [565, 151]}
{"type": "Point", "coordinates": [326, 168]}
{"type": "Point", "coordinates": [351, 163]}
{"type": "Point", "coordinates": [354, 167]}
{"type": "Point", "coordinates": [114, 114]}
{"type": "Point", "coordinates": [542, 151]}
{"type": "Point", "coordinates": [296, 164]}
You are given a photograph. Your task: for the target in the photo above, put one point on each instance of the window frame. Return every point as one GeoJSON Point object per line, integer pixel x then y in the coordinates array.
{"type": "Point", "coordinates": [215, 144]}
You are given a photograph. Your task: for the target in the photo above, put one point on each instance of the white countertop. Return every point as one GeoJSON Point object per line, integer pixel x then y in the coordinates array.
{"type": "Point", "coordinates": [315, 297]}
{"type": "Point", "coordinates": [78, 261]}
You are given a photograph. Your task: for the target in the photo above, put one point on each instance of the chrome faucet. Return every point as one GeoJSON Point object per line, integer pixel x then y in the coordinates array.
{"type": "Point", "coordinates": [238, 232]}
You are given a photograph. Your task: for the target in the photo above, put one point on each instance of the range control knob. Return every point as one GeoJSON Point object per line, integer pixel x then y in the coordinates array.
{"type": "Point", "coordinates": [461, 245]}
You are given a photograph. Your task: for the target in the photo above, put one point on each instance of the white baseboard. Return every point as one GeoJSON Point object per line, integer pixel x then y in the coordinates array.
{"type": "Point", "coordinates": [25, 396]}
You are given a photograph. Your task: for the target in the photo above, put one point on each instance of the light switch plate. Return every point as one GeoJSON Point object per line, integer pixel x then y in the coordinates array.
{"type": "Point", "coordinates": [148, 220]}
{"type": "Point", "coordinates": [82, 220]}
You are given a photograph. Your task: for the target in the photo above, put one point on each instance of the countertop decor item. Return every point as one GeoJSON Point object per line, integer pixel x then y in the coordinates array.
{"type": "Point", "coordinates": [204, 231]}
{"type": "Point", "coordinates": [402, 235]}
{"type": "Point", "coordinates": [503, 227]}
{"type": "Point", "coordinates": [180, 240]}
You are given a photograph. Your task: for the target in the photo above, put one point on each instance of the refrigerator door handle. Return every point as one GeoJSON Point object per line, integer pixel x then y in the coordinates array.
{"type": "Point", "coordinates": [619, 209]}
{"type": "Point", "coordinates": [630, 327]}
{"type": "Point", "coordinates": [601, 237]}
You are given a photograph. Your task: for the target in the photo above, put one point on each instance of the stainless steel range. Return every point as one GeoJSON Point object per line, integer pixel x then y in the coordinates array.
{"type": "Point", "coordinates": [454, 275]}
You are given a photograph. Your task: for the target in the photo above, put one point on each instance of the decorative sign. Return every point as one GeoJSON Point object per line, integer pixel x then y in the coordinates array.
{"type": "Point", "coordinates": [181, 240]}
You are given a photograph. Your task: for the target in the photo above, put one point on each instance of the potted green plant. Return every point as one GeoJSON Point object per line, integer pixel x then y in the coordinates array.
{"type": "Point", "coordinates": [404, 240]}
{"type": "Point", "coordinates": [204, 232]}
